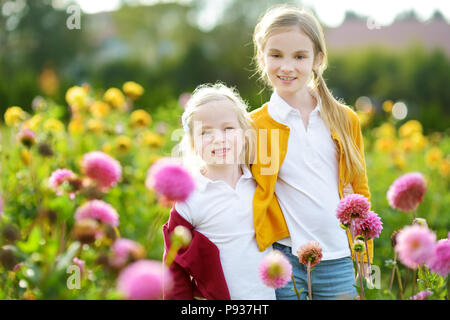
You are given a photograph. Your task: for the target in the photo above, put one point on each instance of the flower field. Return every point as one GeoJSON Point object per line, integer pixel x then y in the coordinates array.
{"type": "Point", "coordinates": [78, 219]}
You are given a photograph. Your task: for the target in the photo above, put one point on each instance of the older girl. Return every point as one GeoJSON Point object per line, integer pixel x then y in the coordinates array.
{"type": "Point", "coordinates": [313, 148]}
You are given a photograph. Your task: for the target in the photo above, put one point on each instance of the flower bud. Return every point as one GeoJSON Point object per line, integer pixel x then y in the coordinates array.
{"type": "Point", "coordinates": [10, 233]}
{"type": "Point", "coordinates": [344, 226]}
{"type": "Point", "coordinates": [7, 258]}
{"type": "Point", "coordinates": [27, 137]}
{"type": "Point", "coordinates": [45, 150]}
{"type": "Point", "coordinates": [182, 235]}
{"type": "Point", "coordinates": [358, 246]}
{"type": "Point", "coordinates": [86, 230]}
{"type": "Point", "coordinates": [421, 222]}
{"type": "Point", "coordinates": [393, 237]}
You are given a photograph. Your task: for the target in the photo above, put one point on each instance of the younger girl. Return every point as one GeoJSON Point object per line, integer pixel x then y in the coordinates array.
{"type": "Point", "coordinates": [313, 148]}
{"type": "Point", "coordinates": [223, 258]}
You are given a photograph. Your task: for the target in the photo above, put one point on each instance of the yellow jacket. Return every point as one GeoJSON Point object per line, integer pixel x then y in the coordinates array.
{"type": "Point", "coordinates": [269, 222]}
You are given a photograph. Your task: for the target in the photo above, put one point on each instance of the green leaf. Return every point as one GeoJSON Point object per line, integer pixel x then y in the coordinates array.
{"type": "Point", "coordinates": [32, 244]}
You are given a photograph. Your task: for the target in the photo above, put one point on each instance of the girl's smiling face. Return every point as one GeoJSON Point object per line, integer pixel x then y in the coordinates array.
{"type": "Point", "coordinates": [288, 60]}
{"type": "Point", "coordinates": [218, 136]}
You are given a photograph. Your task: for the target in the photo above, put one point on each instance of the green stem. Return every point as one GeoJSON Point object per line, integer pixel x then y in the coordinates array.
{"type": "Point", "coordinates": [399, 279]}
{"type": "Point", "coordinates": [361, 282]}
{"type": "Point", "coordinates": [34, 182]}
{"type": "Point", "coordinates": [358, 269]}
{"type": "Point", "coordinates": [309, 280]}
{"type": "Point", "coordinates": [448, 287]}
{"type": "Point", "coordinates": [391, 281]}
{"type": "Point", "coordinates": [406, 280]}
{"type": "Point", "coordinates": [153, 227]}
{"type": "Point", "coordinates": [295, 287]}
{"type": "Point", "coordinates": [173, 250]}
{"type": "Point", "coordinates": [414, 280]}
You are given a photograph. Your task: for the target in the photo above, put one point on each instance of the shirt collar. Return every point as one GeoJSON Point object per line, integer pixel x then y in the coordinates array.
{"type": "Point", "coordinates": [282, 109]}
{"type": "Point", "coordinates": [203, 182]}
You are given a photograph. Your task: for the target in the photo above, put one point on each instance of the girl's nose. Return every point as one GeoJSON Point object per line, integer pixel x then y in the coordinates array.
{"type": "Point", "coordinates": [287, 66]}
{"type": "Point", "coordinates": [218, 136]}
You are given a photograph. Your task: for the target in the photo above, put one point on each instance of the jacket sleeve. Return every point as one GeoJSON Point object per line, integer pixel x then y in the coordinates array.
{"type": "Point", "coordinates": [182, 287]}
{"type": "Point", "coordinates": [360, 183]}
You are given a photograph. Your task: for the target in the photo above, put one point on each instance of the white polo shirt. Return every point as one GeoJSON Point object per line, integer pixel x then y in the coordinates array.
{"type": "Point", "coordinates": [225, 216]}
{"type": "Point", "coordinates": [307, 184]}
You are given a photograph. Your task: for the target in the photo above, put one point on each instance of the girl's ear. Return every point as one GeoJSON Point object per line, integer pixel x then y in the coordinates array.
{"type": "Point", "coordinates": [318, 60]}
{"type": "Point", "coordinates": [261, 61]}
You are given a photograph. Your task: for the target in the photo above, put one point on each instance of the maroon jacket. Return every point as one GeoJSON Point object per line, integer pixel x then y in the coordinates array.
{"type": "Point", "coordinates": [196, 270]}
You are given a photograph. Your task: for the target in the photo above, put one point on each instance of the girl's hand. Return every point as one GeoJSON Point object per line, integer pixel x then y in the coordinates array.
{"type": "Point", "coordinates": [348, 189]}
{"type": "Point", "coordinates": [366, 271]}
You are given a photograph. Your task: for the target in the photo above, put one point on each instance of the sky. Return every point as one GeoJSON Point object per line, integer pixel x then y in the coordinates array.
{"type": "Point", "coordinates": [330, 12]}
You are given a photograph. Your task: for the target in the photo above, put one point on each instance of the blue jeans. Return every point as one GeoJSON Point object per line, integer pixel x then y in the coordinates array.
{"type": "Point", "coordinates": [330, 279]}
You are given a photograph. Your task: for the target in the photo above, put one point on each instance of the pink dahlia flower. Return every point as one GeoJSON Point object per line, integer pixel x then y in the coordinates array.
{"type": "Point", "coordinates": [407, 192]}
{"type": "Point", "coordinates": [352, 206]}
{"type": "Point", "coordinates": [102, 168]}
{"type": "Point", "coordinates": [58, 177]}
{"type": "Point", "coordinates": [275, 270]}
{"type": "Point", "coordinates": [125, 250]}
{"type": "Point", "coordinates": [415, 245]}
{"type": "Point", "coordinates": [310, 252]}
{"type": "Point", "coordinates": [27, 137]}
{"type": "Point", "coordinates": [99, 210]}
{"type": "Point", "coordinates": [370, 227]}
{"type": "Point", "coordinates": [440, 261]}
{"type": "Point", "coordinates": [422, 295]}
{"type": "Point", "coordinates": [144, 280]}
{"type": "Point", "coordinates": [170, 179]}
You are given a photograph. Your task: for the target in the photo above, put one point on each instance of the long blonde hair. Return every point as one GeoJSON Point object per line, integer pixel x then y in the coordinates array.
{"type": "Point", "coordinates": [333, 112]}
{"type": "Point", "coordinates": [202, 95]}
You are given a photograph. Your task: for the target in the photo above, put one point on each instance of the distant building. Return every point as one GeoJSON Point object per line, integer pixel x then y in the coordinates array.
{"type": "Point", "coordinates": [360, 31]}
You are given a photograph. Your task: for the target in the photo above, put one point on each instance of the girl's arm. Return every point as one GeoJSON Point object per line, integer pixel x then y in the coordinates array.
{"type": "Point", "coordinates": [360, 183]}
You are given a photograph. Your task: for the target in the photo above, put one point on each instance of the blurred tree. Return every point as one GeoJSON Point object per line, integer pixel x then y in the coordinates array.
{"type": "Point", "coordinates": [165, 48]}
{"type": "Point", "coordinates": [35, 38]}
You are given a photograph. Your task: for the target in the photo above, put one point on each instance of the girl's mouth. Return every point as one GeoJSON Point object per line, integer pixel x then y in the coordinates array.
{"type": "Point", "coordinates": [286, 79]}
{"type": "Point", "coordinates": [220, 152]}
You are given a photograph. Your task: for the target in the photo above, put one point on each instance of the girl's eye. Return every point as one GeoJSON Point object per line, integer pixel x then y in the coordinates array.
{"type": "Point", "coordinates": [206, 132]}
{"type": "Point", "coordinates": [275, 55]}
{"type": "Point", "coordinates": [300, 57]}
{"type": "Point", "coordinates": [229, 128]}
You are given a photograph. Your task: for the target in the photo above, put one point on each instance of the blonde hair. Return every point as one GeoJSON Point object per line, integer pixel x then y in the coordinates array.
{"type": "Point", "coordinates": [284, 17]}
{"type": "Point", "coordinates": [202, 95]}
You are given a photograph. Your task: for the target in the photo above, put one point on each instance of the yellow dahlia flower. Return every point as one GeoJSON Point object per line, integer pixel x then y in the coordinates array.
{"type": "Point", "coordinates": [53, 125]}
{"type": "Point", "coordinates": [152, 139]}
{"type": "Point", "coordinates": [433, 157]}
{"type": "Point", "coordinates": [409, 128]}
{"type": "Point", "coordinates": [123, 144]}
{"type": "Point", "coordinates": [385, 130]}
{"type": "Point", "coordinates": [14, 116]}
{"type": "Point", "coordinates": [76, 97]}
{"type": "Point", "coordinates": [115, 98]}
{"type": "Point", "coordinates": [99, 109]}
{"type": "Point", "coordinates": [140, 118]}
{"type": "Point", "coordinates": [133, 89]}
